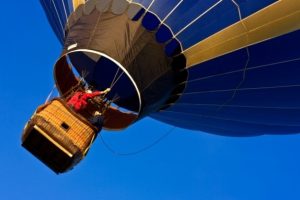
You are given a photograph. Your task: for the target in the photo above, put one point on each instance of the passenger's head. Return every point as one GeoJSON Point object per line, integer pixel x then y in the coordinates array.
{"type": "Point", "coordinates": [89, 91]}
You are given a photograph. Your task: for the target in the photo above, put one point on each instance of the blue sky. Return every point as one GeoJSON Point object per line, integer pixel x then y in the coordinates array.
{"type": "Point", "coordinates": [186, 165]}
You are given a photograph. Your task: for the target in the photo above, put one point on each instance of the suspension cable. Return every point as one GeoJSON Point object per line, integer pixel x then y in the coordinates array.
{"type": "Point", "coordinates": [113, 84]}
{"type": "Point", "coordinates": [109, 148]}
{"type": "Point", "coordinates": [50, 94]}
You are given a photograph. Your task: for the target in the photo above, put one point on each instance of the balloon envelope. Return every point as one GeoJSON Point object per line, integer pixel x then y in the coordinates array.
{"type": "Point", "coordinates": [242, 59]}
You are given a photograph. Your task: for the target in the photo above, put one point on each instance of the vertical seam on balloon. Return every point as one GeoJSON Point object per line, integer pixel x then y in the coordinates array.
{"type": "Point", "coordinates": [64, 8]}
{"type": "Point", "coordinates": [62, 28]}
{"type": "Point", "coordinates": [197, 18]}
{"type": "Point", "coordinates": [57, 26]}
{"type": "Point", "coordinates": [247, 61]}
{"type": "Point", "coordinates": [150, 5]}
{"type": "Point", "coordinates": [171, 12]}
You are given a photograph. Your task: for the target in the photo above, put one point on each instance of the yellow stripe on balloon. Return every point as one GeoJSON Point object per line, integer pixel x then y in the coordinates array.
{"type": "Point", "coordinates": [77, 3]}
{"type": "Point", "coordinates": [277, 19]}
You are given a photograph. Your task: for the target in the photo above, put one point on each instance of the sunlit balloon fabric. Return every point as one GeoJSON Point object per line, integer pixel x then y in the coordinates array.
{"type": "Point", "coordinates": [243, 59]}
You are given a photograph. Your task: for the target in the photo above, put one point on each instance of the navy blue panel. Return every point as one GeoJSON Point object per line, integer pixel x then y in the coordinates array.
{"type": "Point", "coordinates": [163, 7]}
{"type": "Point", "coordinates": [225, 82]}
{"type": "Point", "coordinates": [279, 49]}
{"type": "Point", "coordinates": [273, 76]}
{"type": "Point", "coordinates": [277, 97]}
{"type": "Point", "coordinates": [150, 21]}
{"type": "Point", "coordinates": [267, 115]}
{"type": "Point", "coordinates": [199, 109]}
{"type": "Point", "coordinates": [218, 18]}
{"type": "Point", "coordinates": [206, 98]}
{"type": "Point", "coordinates": [163, 34]}
{"type": "Point", "coordinates": [220, 65]}
{"type": "Point", "coordinates": [138, 15]}
{"type": "Point", "coordinates": [222, 126]}
{"type": "Point", "coordinates": [60, 9]}
{"type": "Point", "coordinates": [53, 19]}
{"type": "Point", "coordinates": [172, 48]}
{"type": "Point", "coordinates": [249, 7]}
{"type": "Point", "coordinates": [63, 10]}
{"type": "Point", "coordinates": [186, 123]}
{"type": "Point", "coordinates": [277, 75]}
{"type": "Point", "coordinates": [187, 11]}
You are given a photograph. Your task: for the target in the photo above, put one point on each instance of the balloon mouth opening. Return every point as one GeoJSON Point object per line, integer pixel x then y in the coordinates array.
{"type": "Point", "coordinates": [100, 71]}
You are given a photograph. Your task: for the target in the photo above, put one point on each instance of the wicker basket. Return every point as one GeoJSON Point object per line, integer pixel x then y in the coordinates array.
{"type": "Point", "coordinates": [58, 136]}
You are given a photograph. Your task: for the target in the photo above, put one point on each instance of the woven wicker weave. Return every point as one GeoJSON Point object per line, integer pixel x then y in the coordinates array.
{"type": "Point", "coordinates": [75, 128]}
{"type": "Point", "coordinates": [63, 128]}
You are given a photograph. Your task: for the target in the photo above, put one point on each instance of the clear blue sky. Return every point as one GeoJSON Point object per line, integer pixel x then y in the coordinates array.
{"type": "Point", "coordinates": [187, 165]}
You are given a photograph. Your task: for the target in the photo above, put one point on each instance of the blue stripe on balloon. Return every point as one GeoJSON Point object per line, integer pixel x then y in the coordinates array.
{"type": "Point", "coordinates": [225, 82]}
{"type": "Point", "coordinates": [249, 7]}
{"type": "Point", "coordinates": [283, 94]}
{"type": "Point", "coordinates": [273, 75]}
{"type": "Point", "coordinates": [187, 11]}
{"type": "Point", "coordinates": [275, 50]}
{"type": "Point", "coordinates": [52, 18]}
{"type": "Point", "coordinates": [220, 17]}
{"type": "Point", "coordinates": [227, 63]}
{"type": "Point", "coordinates": [162, 8]}
{"type": "Point", "coordinates": [283, 114]}
{"type": "Point", "coordinates": [276, 116]}
{"type": "Point", "coordinates": [269, 115]}
{"type": "Point", "coordinates": [61, 8]}
{"type": "Point", "coordinates": [222, 126]}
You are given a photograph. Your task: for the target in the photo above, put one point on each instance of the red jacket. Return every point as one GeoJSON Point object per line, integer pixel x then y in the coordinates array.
{"type": "Point", "coordinates": [79, 100]}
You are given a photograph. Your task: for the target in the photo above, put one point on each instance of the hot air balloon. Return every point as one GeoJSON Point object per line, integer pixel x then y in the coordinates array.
{"type": "Point", "coordinates": [226, 67]}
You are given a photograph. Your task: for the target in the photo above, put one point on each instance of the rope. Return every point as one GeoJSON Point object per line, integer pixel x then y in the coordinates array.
{"type": "Point", "coordinates": [109, 148]}
{"type": "Point", "coordinates": [50, 94]}
{"type": "Point", "coordinates": [113, 84]}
